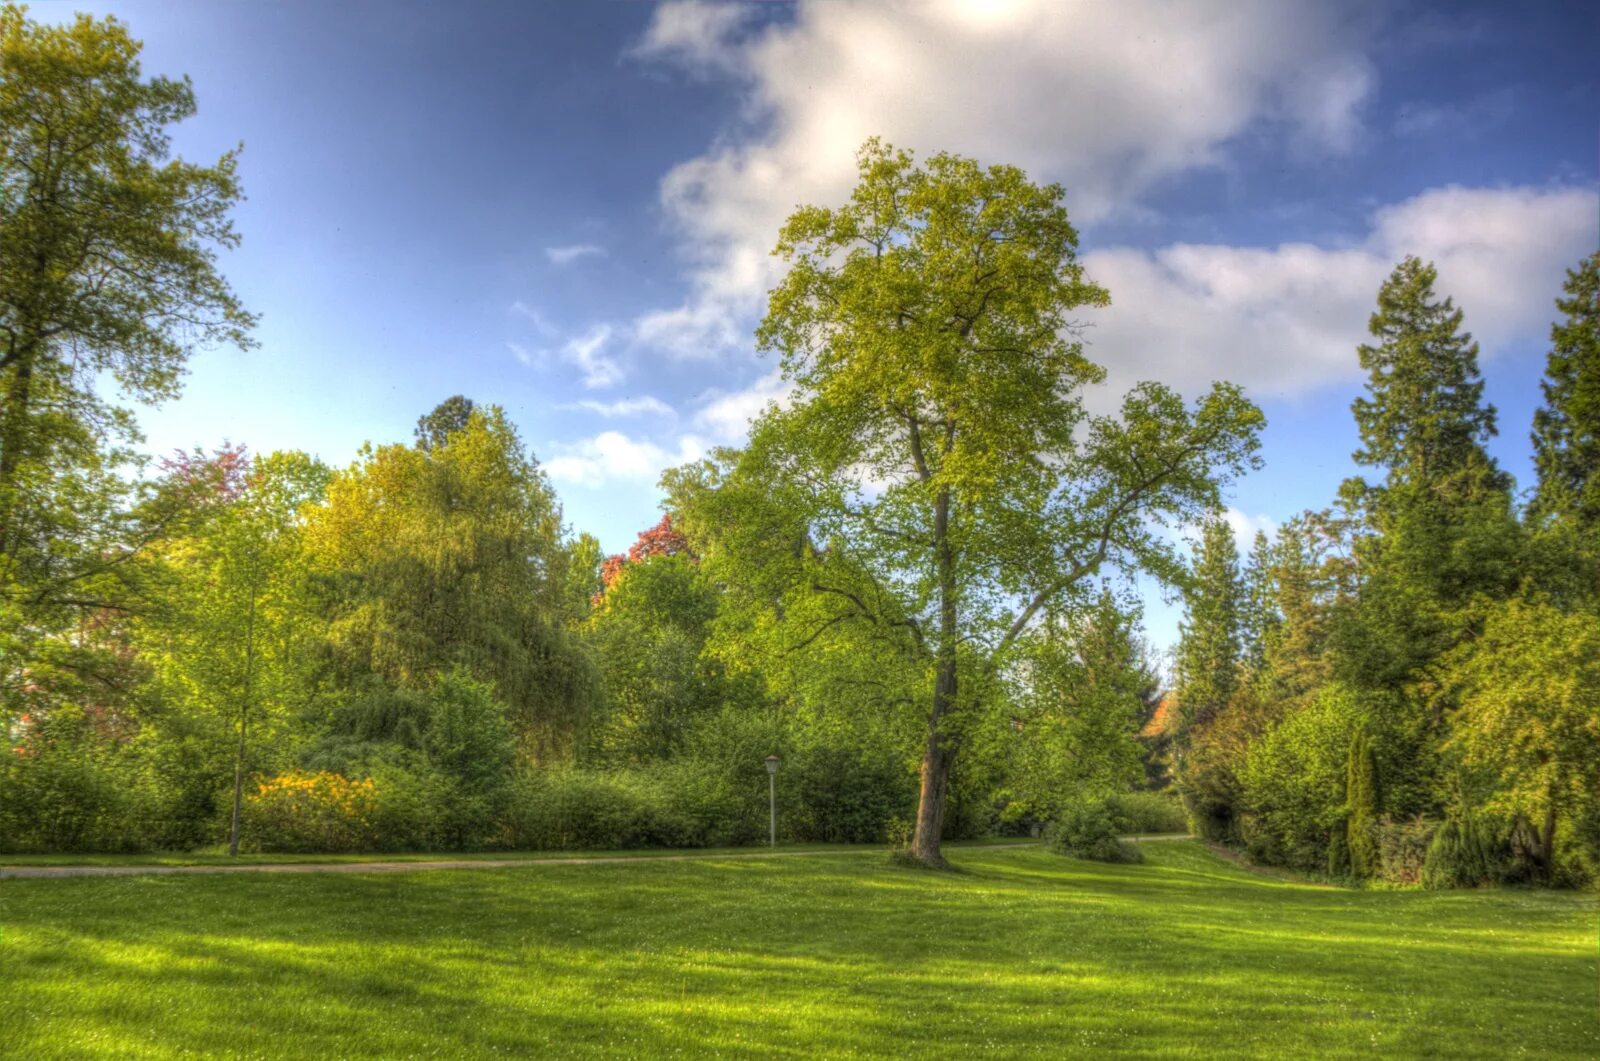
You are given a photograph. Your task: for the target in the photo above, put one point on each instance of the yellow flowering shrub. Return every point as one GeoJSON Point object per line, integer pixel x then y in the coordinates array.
{"type": "Point", "coordinates": [305, 811]}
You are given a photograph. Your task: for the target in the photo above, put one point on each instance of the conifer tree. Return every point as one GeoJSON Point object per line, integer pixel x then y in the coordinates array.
{"type": "Point", "coordinates": [1259, 616]}
{"type": "Point", "coordinates": [1209, 646]}
{"type": "Point", "coordinates": [1566, 431]}
{"type": "Point", "coordinates": [1362, 797]}
{"type": "Point", "coordinates": [1440, 531]}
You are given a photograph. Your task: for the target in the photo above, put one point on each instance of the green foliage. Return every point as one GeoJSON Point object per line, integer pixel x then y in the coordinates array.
{"type": "Point", "coordinates": [1529, 690]}
{"type": "Point", "coordinates": [452, 556]}
{"type": "Point", "coordinates": [1362, 803]}
{"type": "Point", "coordinates": [1082, 683]}
{"type": "Point", "coordinates": [1462, 854]}
{"type": "Point", "coordinates": [108, 274]}
{"type": "Point", "coordinates": [1089, 830]}
{"type": "Point", "coordinates": [1209, 649]}
{"type": "Point", "coordinates": [65, 788]}
{"type": "Point", "coordinates": [1147, 813]}
{"type": "Point", "coordinates": [1566, 429]}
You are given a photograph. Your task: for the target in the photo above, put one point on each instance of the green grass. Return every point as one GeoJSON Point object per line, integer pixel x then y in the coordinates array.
{"type": "Point", "coordinates": [1020, 952]}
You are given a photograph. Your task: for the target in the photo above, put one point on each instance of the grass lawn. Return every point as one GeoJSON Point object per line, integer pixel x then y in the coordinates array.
{"type": "Point", "coordinates": [1021, 952]}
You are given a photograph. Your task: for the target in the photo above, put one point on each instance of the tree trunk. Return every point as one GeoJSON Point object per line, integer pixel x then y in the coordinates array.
{"type": "Point", "coordinates": [13, 429]}
{"type": "Point", "coordinates": [244, 716]}
{"type": "Point", "coordinates": [940, 750]}
{"type": "Point", "coordinates": [937, 756]}
{"type": "Point", "coordinates": [1547, 841]}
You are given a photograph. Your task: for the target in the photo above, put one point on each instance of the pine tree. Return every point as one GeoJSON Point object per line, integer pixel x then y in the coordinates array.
{"type": "Point", "coordinates": [1209, 647]}
{"type": "Point", "coordinates": [1424, 416]}
{"type": "Point", "coordinates": [1566, 432]}
{"type": "Point", "coordinates": [1259, 616]}
{"type": "Point", "coordinates": [1440, 528]}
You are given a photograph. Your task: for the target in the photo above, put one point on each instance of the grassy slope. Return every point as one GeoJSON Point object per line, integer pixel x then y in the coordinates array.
{"type": "Point", "coordinates": [1022, 952]}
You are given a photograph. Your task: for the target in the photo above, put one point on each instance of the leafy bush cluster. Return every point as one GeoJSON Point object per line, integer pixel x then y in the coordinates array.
{"type": "Point", "coordinates": [1089, 830]}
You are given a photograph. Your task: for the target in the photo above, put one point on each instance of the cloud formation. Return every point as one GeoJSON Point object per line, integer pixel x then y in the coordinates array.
{"type": "Point", "coordinates": [612, 457]}
{"type": "Point", "coordinates": [1283, 320]}
{"type": "Point", "coordinates": [1108, 99]}
{"type": "Point", "coordinates": [624, 407]}
{"type": "Point", "coordinates": [567, 255]}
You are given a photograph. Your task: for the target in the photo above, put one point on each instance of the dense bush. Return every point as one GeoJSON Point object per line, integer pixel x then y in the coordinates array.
{"type": "Point", "coordinates": [1462, 854]}
{"type": "Point", "coordinates": [320, 812]}
{"type": "Point", "coordinates": [1089, 830]}
{"type": "Point", "coordinates": [63, 790]}
{"type": "Point", "coordinates": [1402, 848]}
{"type": "Point", "coordinates": [1137, 813]}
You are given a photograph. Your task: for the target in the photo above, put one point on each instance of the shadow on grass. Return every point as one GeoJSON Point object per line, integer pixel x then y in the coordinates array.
{"type": "Point", "coordinates": [1021, 952]}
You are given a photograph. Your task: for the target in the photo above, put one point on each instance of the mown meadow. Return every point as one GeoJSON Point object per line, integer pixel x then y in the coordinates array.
{"type": "Point", "coordinates": [1017, 952]}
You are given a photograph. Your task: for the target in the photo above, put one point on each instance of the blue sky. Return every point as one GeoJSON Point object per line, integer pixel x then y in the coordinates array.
{"type": "Point", "coordinates": [565, 209]}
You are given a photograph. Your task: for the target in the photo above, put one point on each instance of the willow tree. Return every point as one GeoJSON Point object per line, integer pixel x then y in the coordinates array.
{"type": "Point", "coordinates": [936, 476]}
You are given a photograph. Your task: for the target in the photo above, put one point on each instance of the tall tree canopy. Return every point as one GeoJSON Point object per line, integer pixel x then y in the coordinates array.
{"type": "Point", "coordinates": [109, 254]}
{"type": "Point", "coordinates": [453, 556]}
{"type": "Point", "coordinates": [942, 479]}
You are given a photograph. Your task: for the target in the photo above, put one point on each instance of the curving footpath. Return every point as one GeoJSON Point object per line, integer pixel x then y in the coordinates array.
{"type": "Point", "coordinates": [25, 872]}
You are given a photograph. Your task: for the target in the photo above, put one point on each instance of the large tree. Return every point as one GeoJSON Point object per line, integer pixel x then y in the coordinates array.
{"type": "Point", "coordinates": [936, 476]}
{"type": "Point", "coordinates": [453, 556]}
{"type": "Point", "coordinates": [108, 267]}
{"type": "Point", "coordinates": [1211, 642]}
{"type": "Point", "coordinates": [1440, 530]}
{"type": "Point", "coordinates": [1566, 431]}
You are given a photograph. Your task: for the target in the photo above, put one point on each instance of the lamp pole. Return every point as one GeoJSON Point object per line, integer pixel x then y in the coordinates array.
{"type": "Point", "coordinates": [772, 795]}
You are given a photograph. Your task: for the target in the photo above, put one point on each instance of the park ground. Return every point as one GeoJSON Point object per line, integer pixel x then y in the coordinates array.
{"type": "Point", "coordinates": [1018, 952]}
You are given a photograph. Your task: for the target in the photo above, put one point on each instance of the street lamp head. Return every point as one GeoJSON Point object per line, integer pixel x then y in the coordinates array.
{"type": "Point", "coordinates": [772, 764]}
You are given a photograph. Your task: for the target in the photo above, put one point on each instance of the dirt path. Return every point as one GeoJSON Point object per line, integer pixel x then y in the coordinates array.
{"type": "Point", "coordinates": [24, 872]}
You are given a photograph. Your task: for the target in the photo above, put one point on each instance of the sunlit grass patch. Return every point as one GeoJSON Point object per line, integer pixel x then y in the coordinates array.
{"type": "Point", "coordinates": [1025, 952]}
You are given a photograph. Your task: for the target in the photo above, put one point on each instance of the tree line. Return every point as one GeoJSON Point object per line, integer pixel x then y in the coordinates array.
{"type": "Point", "coordinates": [910, 583]}
{"type": "Point", "coordinates": [1406, 684]}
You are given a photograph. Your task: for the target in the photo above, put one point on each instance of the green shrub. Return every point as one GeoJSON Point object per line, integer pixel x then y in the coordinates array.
{"type": "Point", "coordinates": [309, 812]}
{"type": "Point", "coordinates": [1402, 848]}
{"type": "Point", "coordinates": [1462, 854]}
{"type": "Point", "coordinates": [1089, 830]}
{"type": "Point", "coordinates": [1139, 813]}
{"type": "Point", "coordinates": [66, 789]}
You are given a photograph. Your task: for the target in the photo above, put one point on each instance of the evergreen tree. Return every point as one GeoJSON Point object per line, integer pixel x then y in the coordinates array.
{"type": "Point", "coordinates": [448, 417]}
{"type": "Point", "coordinates": [1361, 790]}
{"type": "Point", "coordinates": [1440, 531]}
{"type": "Point", "coordinates": [1566, 432]}
{"type": "Point", "coordinates": [1209, 646]}
{"type": "Point", "coordinates": [1259, 616]}
{"type": "Point", "coordinates": [1424, 417]}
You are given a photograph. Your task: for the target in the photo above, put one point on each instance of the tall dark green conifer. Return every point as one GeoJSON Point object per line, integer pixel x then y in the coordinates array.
{"type": "Point", "coordinates": [1566, 431]}
{"type": "Point", "coordinates": [1440, 531]}
{"type": "Point", "coordinates": [1209, 647]}
{"type": "Point", "coordinates": [1259, 616]}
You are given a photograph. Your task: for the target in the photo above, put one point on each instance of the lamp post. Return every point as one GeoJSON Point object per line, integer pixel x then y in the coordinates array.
{"type": "Point", "coordinates": [772, 794]}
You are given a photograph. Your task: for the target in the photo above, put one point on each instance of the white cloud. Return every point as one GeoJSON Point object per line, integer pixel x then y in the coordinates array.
{"type": "Point", "coordinates": [1245, 527]}
{"type": "Point", "coordinates": [697, 36]}
{"type": "Point", "coordinates": [726, 416]}
{"type": "Point", "coordinates": [567, 255]}
{"type": "Point", "coordinates": [533, 316]}
{"type": "Point", "coordinates": [1287, 319]}
{"type": "Point", "coordinates": [584, 351]}
{"type": "Point", "coordinates": [1108, 99]}
{"type": "Point", "coordinates": [624, 407]}
{"type": "Point", "coordinates": [523, 355]}
{"type": "Point", "coordinates": [612, 457]}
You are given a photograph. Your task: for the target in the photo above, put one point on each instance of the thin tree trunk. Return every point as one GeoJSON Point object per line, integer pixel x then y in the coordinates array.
{"type": "Point", "coordinates": [1547, 842]}
{"type": "Point", "coordinates": [244, 716]}
{"type": "Point", "coordinates": [940, 750]}
{"type": "Point", "coordinates": [12, 430]}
